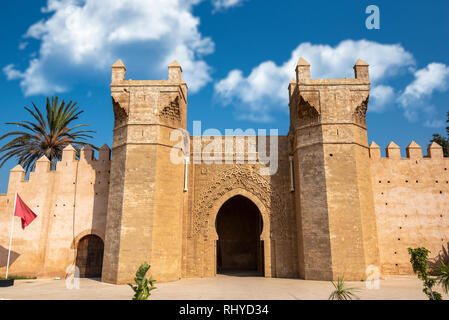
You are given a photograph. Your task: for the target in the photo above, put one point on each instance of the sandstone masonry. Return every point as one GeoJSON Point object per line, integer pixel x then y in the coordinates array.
{"type": "Point", "coordinates": [334, 207]}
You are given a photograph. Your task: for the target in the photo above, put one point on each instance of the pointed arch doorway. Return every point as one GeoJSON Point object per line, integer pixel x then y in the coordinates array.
{"type": "Point", "coordinates": [239, 225]}
{"type": "Point", "coordinates": [89, 256]}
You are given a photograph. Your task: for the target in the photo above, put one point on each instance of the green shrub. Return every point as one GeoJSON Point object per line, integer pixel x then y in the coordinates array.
{"type": "Point", "coordinates": [443, 277]}
{"type": "Point", "coordinates": [420, 266]}
{"type": "Point", "coordinates": [143, 285]}
{"type": "Point", "coordinates": [342, 292]}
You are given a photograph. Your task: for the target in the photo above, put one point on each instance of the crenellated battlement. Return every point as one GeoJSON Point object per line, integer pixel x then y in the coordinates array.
{"type": "Point", "coordinates": [69, 199]}
{"type": "Point", "coordinates": [69, 167]}
{"type": "Point", "coordinates": [138, 102]}
{"type": "Point", "coordinates": [413, 151]}
{"type": "Point", "coordinates": [411, 200]}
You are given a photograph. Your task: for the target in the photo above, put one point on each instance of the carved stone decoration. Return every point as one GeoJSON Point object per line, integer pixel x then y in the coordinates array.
{"type": "Point", "coordinates": [172, 111]}
{"type": "Point", "coordinates": [307, 113]}
{"type": "Point", "coordinates": [120, 103]}
{"type": "Point", "coordinates": [359, 115]}
{"type": "Point", "coordinates": [241, 177]}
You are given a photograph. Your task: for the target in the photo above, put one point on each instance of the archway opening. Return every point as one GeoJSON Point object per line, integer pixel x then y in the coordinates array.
{"type": "Point", "coordinates": [239, 248]}
{"type": "Point", "coordinates": [89, 256]}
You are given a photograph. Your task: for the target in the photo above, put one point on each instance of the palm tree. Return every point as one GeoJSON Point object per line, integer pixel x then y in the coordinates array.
{"type": "Point", "coordinates": [342, 292]}
{"type": "Point", "coordinates": [443, 276]}
{"type": "Point", "coordinates": [47, 135]}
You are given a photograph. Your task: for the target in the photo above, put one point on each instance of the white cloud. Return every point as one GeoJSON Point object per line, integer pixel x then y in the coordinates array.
{"type": "Point", "coordinates": [265, 88]}
{"type": "Point", "coordinates": [414, 99]}
{"type": "Point", "coordinates": [380, 96]}
{"type": "Point", "coordinates": [23, 45]}
{"type": "Point", "coordinates": [33, 79]}
{"type": "Point", "coordinates": [92, 34]}
{"type": "Point", "coordinates": [11, 73]}
{"type": "Point", "coordinates": [220, 5]}
{"type": "Point", "coordinates": [434, 77]}
{"type": "Point", "coordinates": [434, 124]}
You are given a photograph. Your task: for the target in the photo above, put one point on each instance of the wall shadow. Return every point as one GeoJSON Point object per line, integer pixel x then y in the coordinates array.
{"type": "Point", "coordinates": [100, 196]}
{"type": "Point", "coordinates": [441, 258]}
{"type": "Point", "coordinates": [4, 256]}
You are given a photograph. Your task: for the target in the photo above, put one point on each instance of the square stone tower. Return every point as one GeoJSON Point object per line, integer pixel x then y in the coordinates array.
{"type": "Point", "coordinates": [334, 202]}
{"type": "Point", "coordinates": [144, 218]}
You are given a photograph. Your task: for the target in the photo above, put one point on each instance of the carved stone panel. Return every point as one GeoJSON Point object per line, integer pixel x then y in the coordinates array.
{"type": "Point", "coordinates": [241, 177]}
{"type": "Point", "coordinates": [170, 107]}
{"type": "Point", "coordinates": [308, 108]}
{"type": "Point", "coordinates": [359, 115]}
{"type": "Point", "coordinates": [120, 103]}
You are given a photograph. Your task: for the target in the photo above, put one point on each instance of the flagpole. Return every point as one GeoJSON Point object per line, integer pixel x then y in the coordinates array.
{"type": "Point", "coordinates": [10, 234]}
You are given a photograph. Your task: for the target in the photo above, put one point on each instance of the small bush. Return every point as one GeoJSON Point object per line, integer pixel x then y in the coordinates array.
{"type": "Point", "coordinates": [443, 277]}
{"type": "Point", "coordinates": [143, 285]}
{"type": "Point", "coordinates": [342, 292]}
{"type": "Point", "coordinates": [418, 259]}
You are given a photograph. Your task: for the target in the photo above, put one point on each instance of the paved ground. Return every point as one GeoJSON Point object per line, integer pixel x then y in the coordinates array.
{"type": "Point", "coordinates": [220, 287]}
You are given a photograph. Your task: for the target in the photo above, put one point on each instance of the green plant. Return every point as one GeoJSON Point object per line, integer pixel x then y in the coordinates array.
{"type": "Point", "coordinates": [419, 263]}
{"type": "Point", "coordinates": [342, 292]}
{"type": "Point", "coordinates": [143, 285]}
{"type": "Point", "coordinates": [18, 278]}
{"type": "Point", "coordinates": [441, 258]}
{"type": "Point", "coordinates": [443, 277]}
{"type": "Point", "coordinates": [47, 135]}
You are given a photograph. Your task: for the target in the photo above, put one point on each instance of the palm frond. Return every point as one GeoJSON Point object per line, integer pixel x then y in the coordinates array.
{"type": "Point", "coordinates": [443, 277]}
{"type": "Point", "coordinates": [45, 134]}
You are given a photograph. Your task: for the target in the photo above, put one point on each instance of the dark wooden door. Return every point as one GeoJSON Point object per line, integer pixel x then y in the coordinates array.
{"type": "Point", "coordinates": [89, 257]}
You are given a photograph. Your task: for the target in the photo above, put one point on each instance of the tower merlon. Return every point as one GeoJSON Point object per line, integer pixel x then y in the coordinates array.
{"type": "Point", "coordinates": [361, 70]}
{"type": "Point", "coordinates": [17, 168]}
{"type": "Point", "coordinates": [118, 71]}
{"type": "Point", "coordinates": [175, 72]}
{"type": "Point", "coordinates": [435, 151]}
{"type": "Point", "coordinates": [42, 165]}
{"type": "Point", "coordinates": [104, 153]}
{"type": "Point", "coordinates": [291, 87]}
{"type": "Point", "coordinates": [16, 174]}
{"type": "Point", "coordinates": [414, 151]}
{"type": "Point", "coordinates": [87, 153]}
{"type": "Point", "coordinates": [374, 151]}
{"type": "Point", "coordinates": [68, 153]}
{"type": "Point", "coordinates": [393, 151]}
{"type": "Point", "coordinates": [302, 70]}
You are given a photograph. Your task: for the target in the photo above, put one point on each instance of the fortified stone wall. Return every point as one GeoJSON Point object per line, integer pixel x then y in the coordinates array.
{"type": "Point", "coordinates": [70, 202]}
{"type": "Point", "coordinates": [411, 198]}
{"type": "Point", "coordinates": [334, 206]}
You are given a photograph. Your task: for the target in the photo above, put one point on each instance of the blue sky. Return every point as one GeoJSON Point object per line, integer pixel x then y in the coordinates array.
{"type": "Point", "coordinates": [238, 57]}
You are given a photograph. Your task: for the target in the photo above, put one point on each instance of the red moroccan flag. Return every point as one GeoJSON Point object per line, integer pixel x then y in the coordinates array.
{"type": "Point", "coordinates": [24, 212]}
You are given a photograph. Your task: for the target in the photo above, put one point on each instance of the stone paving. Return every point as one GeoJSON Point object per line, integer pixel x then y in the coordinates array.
{"type": "Point", "coordinates": [217, 288]}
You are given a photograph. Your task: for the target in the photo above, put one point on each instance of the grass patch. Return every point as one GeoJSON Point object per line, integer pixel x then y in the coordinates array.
{"type": "Point", "coordinates": [18, 278]}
